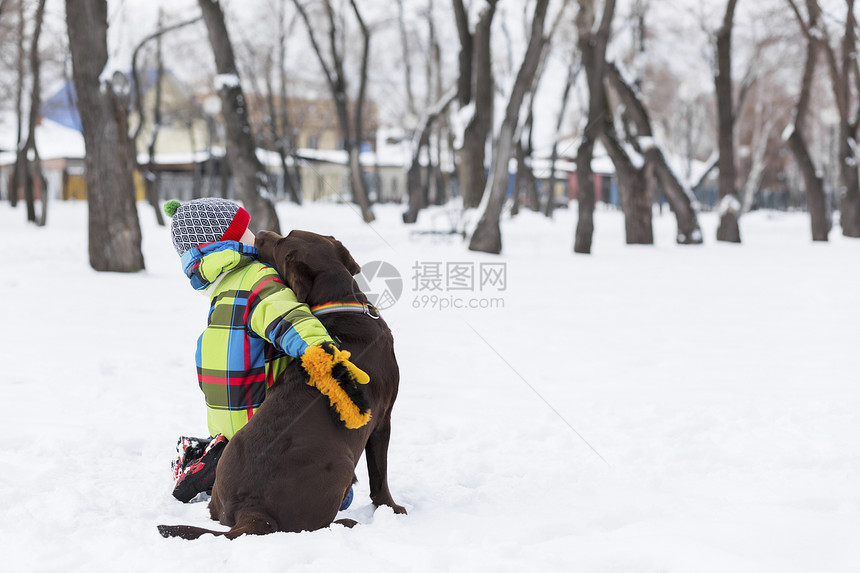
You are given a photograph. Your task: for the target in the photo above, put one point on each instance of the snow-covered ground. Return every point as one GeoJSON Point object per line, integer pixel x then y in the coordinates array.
{"type": "Point", "coordinates": [672, 409]}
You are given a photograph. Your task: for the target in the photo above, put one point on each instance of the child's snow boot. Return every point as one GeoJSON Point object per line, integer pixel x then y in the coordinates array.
{"type": "Point", "coordinates": [198, 474]}
{"type": "Point", "coordinates": [188, 450]}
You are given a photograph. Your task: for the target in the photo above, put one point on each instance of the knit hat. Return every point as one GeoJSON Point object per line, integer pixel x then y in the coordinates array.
{"type": "Point", "coordinates": [203, 221]}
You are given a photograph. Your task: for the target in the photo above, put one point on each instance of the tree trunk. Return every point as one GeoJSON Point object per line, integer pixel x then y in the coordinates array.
{"type": "Point", "coordinates": [525, 183]}
{"type": "Point", "coordinates": [488, 235]}
{"type": "Point", "coordinates": [680, 199]}
{"type": "Point", "coordinates": [572, 73]}
{"type": "Point", "coordinates": [19, 174]}
{"type": "Point", "coordinates": [520, 183]}
{"type": "Point", "coordinates": [197, 170]}
{"type": "Point", "coordinates": [592, 46]}
{"type": "Point", "coordinates": [114, 229]}
{"type": "Point", "coordinates": [473, 178]}
{"type": "Point", "coordinates": [816, 200]}
{"type": "Point", "coordinates": [278, 131]}
{"type": "Point", "coordinates": [337, 83]}
{"type": "Point", "coordinates": [633, 187]}
{"type": "Point", "coordinates": [840, 77]}
{"type": "Point", "coordinates": [440, 177]}
{"type": "Point", "coordinates": [730, 205]}
{"type": "Point", "coordinates": [413, 175]}
{"type": "Point", "coordinates": [33, 176]}
{"type": "Point", "coordinates": [358, 185]}
{"type": "Point", "coordinates": [407, 58]}
{"type": "Point", "coordinates": [286, 145]}
{"type": "Point", "coordinates": [848, 160]}
{"type": "Point", "coordinates": [251, 180]}
{"type": "Point", "coordinates": [465, 55]}
{"type": "Point", "coordinates": [152, 179]}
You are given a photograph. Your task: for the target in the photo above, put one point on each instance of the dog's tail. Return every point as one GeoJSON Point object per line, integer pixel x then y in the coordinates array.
{"type": "Point", "coordinates": [250, 527]}
{"type": "Point", "coordinates": [186, 531]}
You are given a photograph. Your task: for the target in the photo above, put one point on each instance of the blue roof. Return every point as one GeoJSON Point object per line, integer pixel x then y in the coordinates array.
{"type": "Point", "coordinates": [62, 106]}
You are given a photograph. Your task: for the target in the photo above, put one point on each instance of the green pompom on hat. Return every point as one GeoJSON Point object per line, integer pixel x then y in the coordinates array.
{"type": "Point", "coordinates": [171, 206]}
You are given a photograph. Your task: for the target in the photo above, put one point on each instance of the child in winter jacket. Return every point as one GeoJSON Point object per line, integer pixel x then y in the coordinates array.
{"type": "Point", "coordinates": [256, 327]}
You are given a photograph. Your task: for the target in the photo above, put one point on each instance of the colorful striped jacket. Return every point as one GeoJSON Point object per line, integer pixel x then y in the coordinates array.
{"type": "Point", "coordinates": [255, 328]}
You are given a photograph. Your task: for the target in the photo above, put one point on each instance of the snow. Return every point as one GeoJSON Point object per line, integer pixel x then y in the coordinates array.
{"type": "Point", "coordinates": [646, 142]}
{"type": "Point", "coordinates": [111, 67]}
{"type": "Point", "coordinates": [226, 81]}
{"type": "Point", "coordinates": [636, 158]}
{"type": "Point", "coordinates": [729, 203]}
{"type": "Point", "coordinates": [719, 382]}
{"type": "Point", "coordinates": [53, 140]}
{"type": "Point", "coordinates": [460, 121]}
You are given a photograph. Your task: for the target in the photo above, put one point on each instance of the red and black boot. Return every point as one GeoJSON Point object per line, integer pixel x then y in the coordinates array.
{"type": "Point", "coordinates": [194, 469]}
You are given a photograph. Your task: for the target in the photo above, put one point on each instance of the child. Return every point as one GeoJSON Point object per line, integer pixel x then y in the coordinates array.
{"type": "Point", "coordinates": [255, 329]}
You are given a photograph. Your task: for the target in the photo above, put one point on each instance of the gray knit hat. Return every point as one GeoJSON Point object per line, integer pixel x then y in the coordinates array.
{"type": "Point", "coordinates": [203, 221]}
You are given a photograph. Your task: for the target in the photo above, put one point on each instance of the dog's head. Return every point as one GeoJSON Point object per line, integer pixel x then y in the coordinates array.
{"type": "Point", "coordinates": [302, 256]}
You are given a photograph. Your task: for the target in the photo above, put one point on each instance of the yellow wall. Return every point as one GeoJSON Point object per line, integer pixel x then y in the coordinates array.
{"type": "Point", "coordinates": [75, 187]}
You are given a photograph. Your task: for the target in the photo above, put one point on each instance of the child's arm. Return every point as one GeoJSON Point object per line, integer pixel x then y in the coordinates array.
{"type": "Point", "coordinates": [276, 315]}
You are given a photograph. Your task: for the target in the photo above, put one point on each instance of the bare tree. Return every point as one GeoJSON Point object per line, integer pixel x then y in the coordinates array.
{"type": "Point", "coordinates": [281, 124]}
{"type": "Point", "coordinates": [19, 173]}
{"type": "Point", "coordinates": [274, 125]}
{"type": "Point", "coordinates": [730, 205]}
{"type": "Point", "coordinates": [420, 178]}
{"type": "Point", "coordinates": [846, 94]}
{"type": "Point", "coordinates": [679, 197]}
{"type": "Point", "coordinates": [252, 182]}
{"type": "Point", "coordinates": [476, 94]}
{"type": "Point", "coordinates": [114, 229]}
{"type": "Point", "coordinates": [276, 130]}
{"type": "Point", "coordinates": [816, 199]}
{"type": "Point", "coordinates": [418, 199]}
{"type": "Point", "coordinates": [150, 176]}
{"type": "Point", "coordinates": [635, 184]}
{"type": "Point", "coordinates": [439, 176]}
{"type": "Point", "coordinates": [762, 127]}
{"type": "Point", "coordinates": [572, 73]}
{"type": "Point", "coordinates": [487, 236]}
{"type": "Point", "coordinates": [526, 183]}
{"type": "Point", "coordinates": [32, 176]}
{"type": "Point", "coordinates": [407, 60]}
{"type": "Point", "coordinates": [350, 122]}
{"type": "Point", "coordinates": [592, 45]}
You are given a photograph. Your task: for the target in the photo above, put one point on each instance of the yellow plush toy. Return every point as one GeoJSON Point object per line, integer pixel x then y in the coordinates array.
{"type": "Point", "coordinates": [330, 371]}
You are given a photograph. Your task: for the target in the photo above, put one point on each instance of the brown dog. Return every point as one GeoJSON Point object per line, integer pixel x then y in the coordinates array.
{"type": "Point", "coordinates": [290, 467]}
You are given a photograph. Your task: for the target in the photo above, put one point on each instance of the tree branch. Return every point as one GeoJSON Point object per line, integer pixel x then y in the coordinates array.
{"type": "Point", "coordinates": [315, 44]}
{"type": "Point", "coordinates": [134, 69]}
{"type": "Point", "coordinates": [362, 86]}
{"type": "Point", "coordinates": [803, 27]}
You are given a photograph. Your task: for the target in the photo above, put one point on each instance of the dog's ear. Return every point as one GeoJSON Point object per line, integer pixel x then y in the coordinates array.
{"type": "Point", "coordinates": [353, 267]}
{"type": "Point", "coordinates": [298, 278]}
{"type": "Point", "coordinates": [265, 242]}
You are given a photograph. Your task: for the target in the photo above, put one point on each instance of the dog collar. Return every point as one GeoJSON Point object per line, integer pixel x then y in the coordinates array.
{"type": "Point", "coordinates": [355, 307]}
